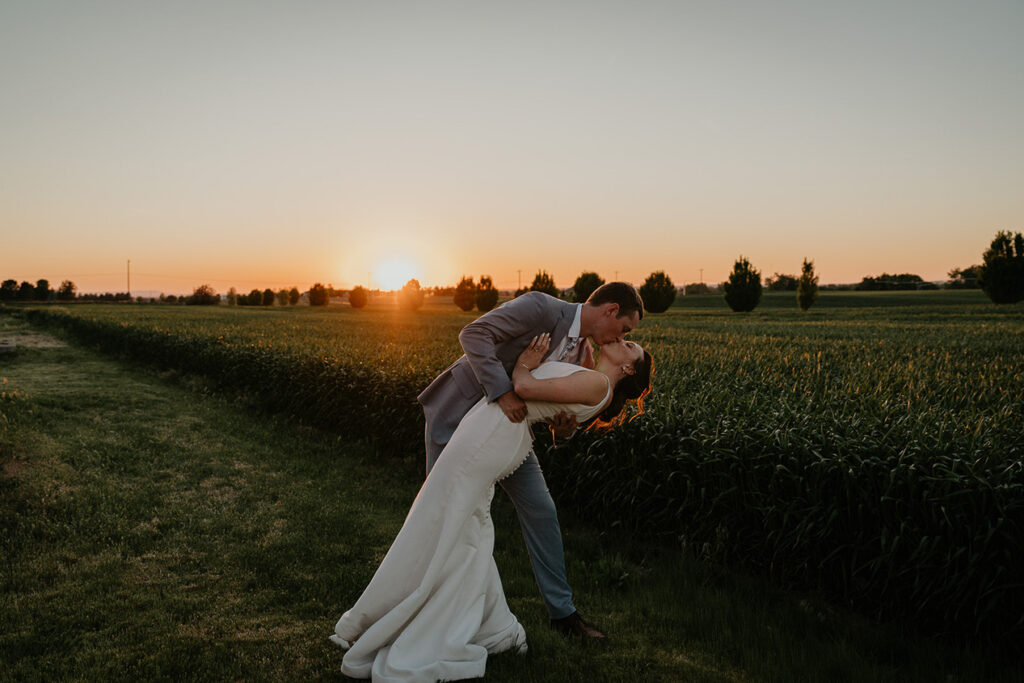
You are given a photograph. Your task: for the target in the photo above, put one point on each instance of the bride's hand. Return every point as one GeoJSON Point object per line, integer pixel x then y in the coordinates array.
{"type": "Point", "coordinates": [533, 354]}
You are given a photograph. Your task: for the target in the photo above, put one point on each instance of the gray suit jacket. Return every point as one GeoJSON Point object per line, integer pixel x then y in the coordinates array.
{"type": "Point", "coordinates": [492, 344]}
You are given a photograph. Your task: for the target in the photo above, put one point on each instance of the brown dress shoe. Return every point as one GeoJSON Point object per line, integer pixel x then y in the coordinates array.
{"type": "Point", "coordinates": [573, 625]}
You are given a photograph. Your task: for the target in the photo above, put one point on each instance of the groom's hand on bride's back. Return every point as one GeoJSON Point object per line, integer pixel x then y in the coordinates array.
{"type": "Point", "coordinates": [513, 406]}
{"type": "Point", "coordinates": [563, 425]}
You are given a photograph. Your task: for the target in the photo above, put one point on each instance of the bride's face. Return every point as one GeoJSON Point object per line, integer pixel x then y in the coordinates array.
{"type": "Point", "coordinates": [622, 353]}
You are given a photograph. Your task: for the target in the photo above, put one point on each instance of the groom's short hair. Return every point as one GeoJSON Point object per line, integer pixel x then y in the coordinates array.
{"type": "Point", "coordinates": [621, 293]}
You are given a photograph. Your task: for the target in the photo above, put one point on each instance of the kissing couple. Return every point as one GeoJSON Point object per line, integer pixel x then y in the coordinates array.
{"type": "Point", "coordinates": [435, 607]}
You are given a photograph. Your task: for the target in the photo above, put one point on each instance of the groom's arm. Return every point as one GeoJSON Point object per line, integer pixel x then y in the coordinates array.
{"type": "Point", "coordinates": [480, 339]}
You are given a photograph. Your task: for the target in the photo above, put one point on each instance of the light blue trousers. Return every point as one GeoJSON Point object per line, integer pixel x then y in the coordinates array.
{"type": "Point", "coordinates": [539, 521]}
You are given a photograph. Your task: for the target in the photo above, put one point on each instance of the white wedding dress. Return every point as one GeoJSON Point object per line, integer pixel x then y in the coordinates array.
{"type": "Point", "coordinates": [435, 608]}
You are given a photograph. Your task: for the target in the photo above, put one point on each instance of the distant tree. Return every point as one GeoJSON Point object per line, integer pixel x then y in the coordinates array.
{"type": "Point", "coordinates": [254, 298]}
{"type": "Point", "coordinates": [658, 292]}
{"type": "Point", "coordinates": [358, 297]}
{"type": "Point", "coordinates": [743, 288]}
{"type": "Point", "coordinates": [267, 297]}
{"type": "Point", "coordinates": [282, 297]}
{"type": "Point", "coordinates": [486, 294]}
{"type": "Point", "coordinates": [9, 290]}
{"type": "Point", "coordinates": [410, 296]}
{"type": "Point", "coordinates": [26, 292]}
{"type": "Point", "coordinates": [964, 278]}
{"type": "Point", "coordinates": [585, 285]}
{"type": "Point", "coordinates": [318, 295]}
{"type": "Point", "coordinates": [465, 294]}
{"type": "Point", "coordinates": [807, 287]}
{"type": "Point", "coordinates": [521, 291]}
{"type": "Point", "coordinates": [888, 282]}
{"type": "Point", "coordinates": [781, 283]}
{"type": "Point", "coordinates": [1002, 270]}
{"type": "Point", "coordinates": [232, 297]}
{"type": "Point", "coordinates": [43, 290]}
{"type": "Point", "coordinates": [293, 296]}
{"type": "Point", "coordinates": [67, 290]}
{"type": "Point", "coordinates": [543, 282]}
{"type": "Point", "coordinates": [696, 288]}
{"type": "Point", "coordinates": [171, 299]}
{"type": "Point", "coordinates": [203, 295]}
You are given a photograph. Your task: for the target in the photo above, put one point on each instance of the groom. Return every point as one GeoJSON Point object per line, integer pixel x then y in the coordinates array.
{"type": "Point", "coordinates": [492, 343]}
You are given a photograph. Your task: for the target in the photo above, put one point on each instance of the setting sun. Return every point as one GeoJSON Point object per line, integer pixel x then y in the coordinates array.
{"type": "Point", "coordinates": [394, 272]}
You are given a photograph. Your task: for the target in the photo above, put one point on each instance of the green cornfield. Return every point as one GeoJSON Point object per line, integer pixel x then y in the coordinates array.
{"type": "Point", "coordinates": [872, 449]}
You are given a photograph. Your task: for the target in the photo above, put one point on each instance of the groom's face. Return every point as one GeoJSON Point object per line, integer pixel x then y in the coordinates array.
{"type": "Point", "coordinates": [613, 327]}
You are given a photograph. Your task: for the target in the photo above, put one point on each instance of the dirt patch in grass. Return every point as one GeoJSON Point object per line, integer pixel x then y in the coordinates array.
{"type": "Point", "coordinates": [12, 469]}
{"type": "Point", "coordinates": [28, 339]}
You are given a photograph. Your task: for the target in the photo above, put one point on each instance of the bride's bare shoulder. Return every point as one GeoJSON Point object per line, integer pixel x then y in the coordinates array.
{"type": "Point", "coordinates": [592, 385]}
{"type": "Point", "coordinates": [577, 385]}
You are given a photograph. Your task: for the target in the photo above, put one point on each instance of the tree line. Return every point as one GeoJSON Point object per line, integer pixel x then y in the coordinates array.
{"type": "Point", "coordinates": [1000, 276]}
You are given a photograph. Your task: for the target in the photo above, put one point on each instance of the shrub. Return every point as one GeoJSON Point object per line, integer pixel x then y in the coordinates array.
{"type": "Point", "coordinates": [543, 282]}
{"type": "Point", "coordinates": [486, 294]}
{"type": "Point", "coordinates": [658, 292]}
{"type": "Point", "coordinates": [585, 285]}
{"type": "Point", "coordinates": [465, 294]}
{"type": "Point", "coordinates": [203, 295]}
{"type": "Point", "coordinates": [781, 283]}
{"type": "Point", "coordinates": [696, 288]}
{"type": "Point", "coordinates": [743, 288]}
{"type": "Point", "coordinates": [267, 297]}
{"type": "Point", "coordinates": [318, 295]}
{"type": "Point", "coordinates": [1001, 274]}
{"type": "Point", "coordinates": [42, 290]}
{"type": "Point", "coordinates": [358, 296]}
{"type": "Point", "coordinates": [410, 296]}
{"type": "Point", "coordinates": [807, 287]}
{"type": "Point", "coordinates": [67, 290]}
{"type": "Point", "coordinates": [964, 278]}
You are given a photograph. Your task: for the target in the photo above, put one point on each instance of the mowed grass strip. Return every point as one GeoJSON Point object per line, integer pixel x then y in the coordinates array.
{"type": "Point", "coordinates": [150, 531]}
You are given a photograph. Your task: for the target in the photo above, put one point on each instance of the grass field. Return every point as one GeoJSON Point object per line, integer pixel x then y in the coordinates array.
{"type": "Point", "coordinates": [776, 433]}
{"type": "Point", "coordinates": [153, 530]}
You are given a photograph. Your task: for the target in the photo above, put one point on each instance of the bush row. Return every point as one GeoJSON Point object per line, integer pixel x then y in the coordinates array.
{"type": "Point", "coordinates": [347, 396]}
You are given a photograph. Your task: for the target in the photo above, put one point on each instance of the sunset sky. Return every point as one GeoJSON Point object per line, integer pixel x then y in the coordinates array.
{"type": "Point", "coordinates": [256, 144]}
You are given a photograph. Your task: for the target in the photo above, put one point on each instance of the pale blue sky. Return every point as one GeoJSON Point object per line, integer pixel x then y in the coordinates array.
{"type": "Point", "coordinates": [256, 143]}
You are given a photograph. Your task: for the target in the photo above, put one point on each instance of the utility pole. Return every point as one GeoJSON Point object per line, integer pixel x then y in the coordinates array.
{"type": "Point", "coordinates": [616, 276]}
{"type": "Point", "coordinates": [129, 278]}
{"type": "Point", "coordinates": [702, 276]}
{"type": "Point", "coordinates": [519, 279]}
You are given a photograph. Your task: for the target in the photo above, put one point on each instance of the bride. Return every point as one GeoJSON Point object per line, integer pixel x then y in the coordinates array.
{"type": "Point", "coordinates": [435, 607]}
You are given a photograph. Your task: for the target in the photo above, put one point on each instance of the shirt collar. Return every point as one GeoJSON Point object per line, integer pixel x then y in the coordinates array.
{"type": "Point", "coordinates": [574, 329]}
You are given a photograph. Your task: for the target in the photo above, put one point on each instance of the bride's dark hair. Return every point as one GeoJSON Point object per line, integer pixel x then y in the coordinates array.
{"type": "Point", "coordinates": [630, 388]}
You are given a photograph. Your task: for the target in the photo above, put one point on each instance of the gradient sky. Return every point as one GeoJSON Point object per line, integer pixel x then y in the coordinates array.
{"type": "Point", "coordinates": [264, 144]}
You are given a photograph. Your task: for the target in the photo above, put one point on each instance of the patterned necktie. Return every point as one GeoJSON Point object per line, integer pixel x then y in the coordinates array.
{"type": "Point", "coordinates": [573, 341]}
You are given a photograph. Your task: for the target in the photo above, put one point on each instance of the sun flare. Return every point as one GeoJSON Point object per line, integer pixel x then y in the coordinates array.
{"type": "Point", "coordinates": [394, 272]}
